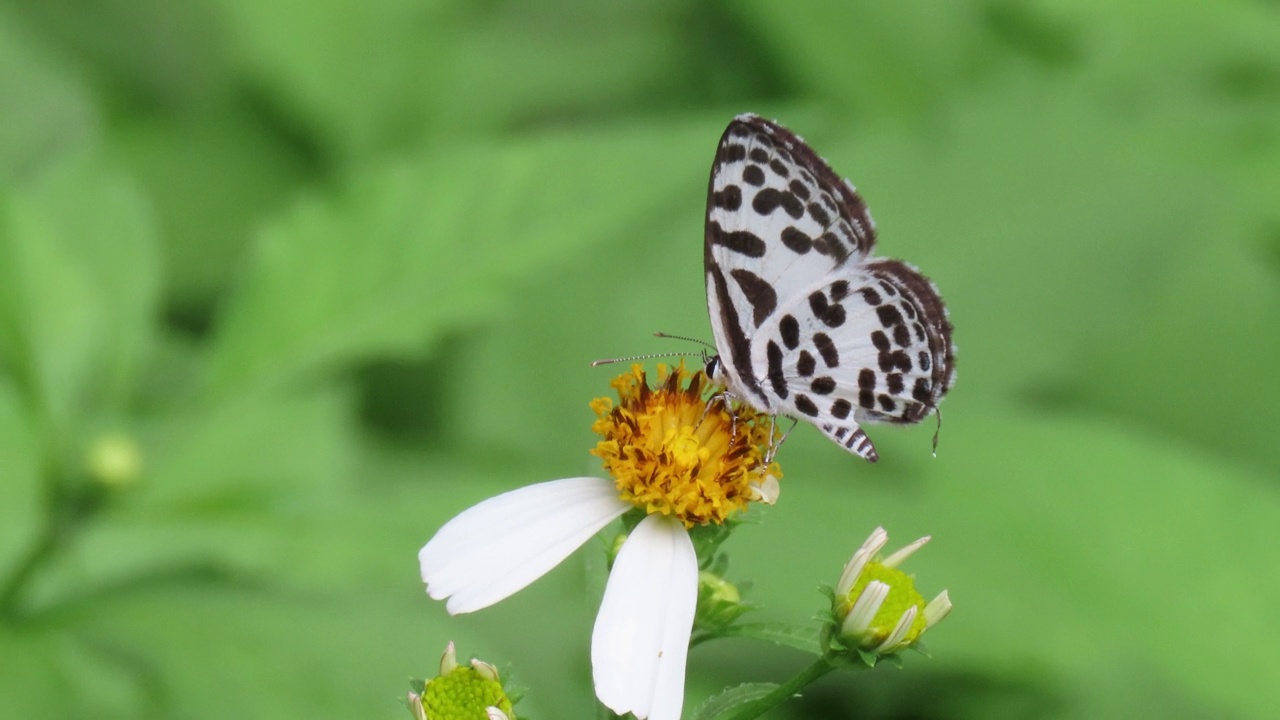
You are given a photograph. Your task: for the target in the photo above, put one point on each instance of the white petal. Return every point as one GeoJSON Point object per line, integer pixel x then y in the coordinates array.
{"type": "Point", "coordinates": [641, 638]}
{"type": "Point", "coordinates": [766, 491]}
{"type": "Point", "coordinates": [860, 558]}
{"type": "Point", "coordinates": [937, 609]}
{"type": "Point", "coordinates": [897, 558]}
{"type": "Point", "coordinates": [899, 631]}
{"type": "Point", "coordinates": [865, 608]}
{"type": "Point", "coordinates": [501, 545]}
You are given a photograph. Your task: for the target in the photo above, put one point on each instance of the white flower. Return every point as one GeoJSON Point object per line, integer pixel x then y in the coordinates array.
{"type": "Point", "coordinates": [685, 461]}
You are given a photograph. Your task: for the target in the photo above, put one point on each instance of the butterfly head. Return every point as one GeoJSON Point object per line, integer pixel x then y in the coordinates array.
{"type": "Point", "coordinates": [714, 367]}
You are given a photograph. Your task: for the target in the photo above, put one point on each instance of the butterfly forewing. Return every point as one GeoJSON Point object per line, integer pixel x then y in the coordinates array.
{"type": "Point", "coordinates": [777, 217]}
{"type": "Point", "coordinates": [807, 323]}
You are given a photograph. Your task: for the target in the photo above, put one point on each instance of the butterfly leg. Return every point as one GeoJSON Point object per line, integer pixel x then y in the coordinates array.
{"type": "Point", "coordinates": [725, 397]}
{"type": "Point", "coordinates": [774, 445]}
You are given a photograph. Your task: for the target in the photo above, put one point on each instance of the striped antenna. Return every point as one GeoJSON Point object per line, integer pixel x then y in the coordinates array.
{"type": "Point", "coordinates": [686, 339]}
{"type": "Point", "coordinates": [702, 354]}
{"type": "Point", "coordinates": [608, 361]}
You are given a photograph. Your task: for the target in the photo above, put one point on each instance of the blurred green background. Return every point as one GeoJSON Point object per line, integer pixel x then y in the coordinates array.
{"type": "Point", "coordinates": [284, 286]}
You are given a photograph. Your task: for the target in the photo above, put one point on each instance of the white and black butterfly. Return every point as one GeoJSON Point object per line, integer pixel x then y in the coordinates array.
{"type": "Point", "coordinates": [807, 322]}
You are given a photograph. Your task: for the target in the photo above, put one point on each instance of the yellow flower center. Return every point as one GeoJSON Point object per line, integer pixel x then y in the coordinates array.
{"type": "Point", "coordinates": [670, 450]}
{"type": "Point", "coordinates": [464, 695]}
{"type": "Point", "coordinates": [902, 595]}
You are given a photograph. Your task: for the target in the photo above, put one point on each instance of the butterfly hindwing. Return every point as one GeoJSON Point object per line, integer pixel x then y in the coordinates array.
{"type": "Point", "coordinates": [858, 346]}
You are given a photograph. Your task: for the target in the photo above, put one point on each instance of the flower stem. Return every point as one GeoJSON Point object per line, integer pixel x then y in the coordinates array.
{"type": "Point", "coordinates": [784, 691]}
{"type": "Point", "coordinates": [41, 550]}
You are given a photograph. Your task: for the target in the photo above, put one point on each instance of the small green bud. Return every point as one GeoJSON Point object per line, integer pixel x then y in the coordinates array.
{"type": "Point", "coordinates": [114, 460]}
{"type": "Point", "coordinates": [876, 607]}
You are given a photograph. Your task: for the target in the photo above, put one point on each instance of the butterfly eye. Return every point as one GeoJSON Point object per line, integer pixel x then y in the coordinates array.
{"type": "Point", "coordinates": [713, 368]}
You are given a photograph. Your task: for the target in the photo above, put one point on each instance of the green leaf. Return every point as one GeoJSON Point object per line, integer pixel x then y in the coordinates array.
{"type": "Point", "coordinates": [876, 58]}
{"type": "Point", "coordinates": [21, 498]}
{"type": "Point", "coordinates": [732, 699]}
{"type": "Point", "coordinates": [226, 489]}
{"type": "Point", "coordinates": [145, 51]}
{"type": "Point", "coordinates": [47, 111]}
{"type": "Point", "coordinates": [215, 177]}
{"type": "Point", "coordinates": [368, 78]}
{"type": "Point", "coordinates": [78, 288]}
{"type": "Point", "coordinates": [800, 637]}
{"type": "Point", "coordinates": [1150, 371]}
{"type": "Point", "coordinates": [1072, 549]}
{"type": "Point", "coordinates": [427, 245]}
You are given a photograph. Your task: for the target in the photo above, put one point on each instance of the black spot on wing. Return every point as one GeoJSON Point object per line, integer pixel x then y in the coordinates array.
{"type": "Point", "coordinates": [895, 360]}
{"type": "Point", "coordinates": [819, 215]}
{"type": "Point", "coordinates": [736, 356]}
{"type": "Point", "coordinates": [776, 378]}
{"type": "Point", "coordinates": [790, 330]}
{"type": "Point", "coordinates": [867, 379]}
{"type": "Point", "coordinates": [894, 381]}
{"type": "Point", "coordinates": [889, 315]}
{"type": "Point", "coordinates": [761, 295]}
{"type": "Point", "coordinates": [779, 167]}
{"type": "Point", "coordinates": [805, 405]}
{"type": "Point", "coordinates": [901, 335]}
{"type": "Point", "coordinates": [827, 349]}
{"type": "Point", "coordinates": [871, 296]}
{"type": "Point", "coordinates": [730, 198]}
{"type": "Point", "coordinates": [739, 241]}
{"type": "Point", "coordinates": [824, 385]}
{"type": "Point", "coordinates": [828, 244]}
{"type": "Point", "coordinates": [800, 189]}
{"type": "Point", "coordinates": [841, 408]}
{"type": "Point", "coordinates": [759, 155]}
{"type": "Point", "coordinates": [769, 199]}
{"type": "Point", "coordinates": [796, 240]}
{"type": "Point", "coordinates": [753, 175]}
{"type": "Point", "coordinates": [921, 391]}
{"type": "Point", "coordinates": [830, 315]}
{"type": "Point", "coordinates": [880, 340]}
{"type": "Point", "coordinates": [806, 364]}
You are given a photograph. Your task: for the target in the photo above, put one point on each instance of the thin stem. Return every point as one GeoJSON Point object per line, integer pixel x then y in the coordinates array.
{"type": "Point", "coordinates": [39, 552]}
{"type": "Point", "coordinates": [66, 512]}
{"type": "Point", "coordinates": [784, 691]}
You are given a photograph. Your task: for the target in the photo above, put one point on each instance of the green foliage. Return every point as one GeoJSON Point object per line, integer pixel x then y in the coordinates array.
{"type": "Point", "coordinates": [338, 271]}
{"type": "Point", "coordinates": [724, 704]}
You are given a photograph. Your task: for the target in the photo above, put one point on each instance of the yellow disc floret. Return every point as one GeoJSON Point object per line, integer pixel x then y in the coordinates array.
{"type": "Point", "coordinates": [463, 695]}
{"type": "Point", "coordinates": [680, 450]}
{"type": "Point", "coordinates": [901, 597]}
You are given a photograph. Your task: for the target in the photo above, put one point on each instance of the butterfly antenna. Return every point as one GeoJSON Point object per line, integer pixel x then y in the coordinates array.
{"type": "Point", "coordinates": [609, 361]}
{"type": "Point", "coordinates": [687, 339]}
{"type": "Point", "coordinates": [937, 411]}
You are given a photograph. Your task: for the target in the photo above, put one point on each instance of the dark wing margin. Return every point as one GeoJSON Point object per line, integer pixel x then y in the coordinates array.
{"type": "Point", "coordinates": [849, 204]}
{"type": "Point", "coordinates": [922, 296]}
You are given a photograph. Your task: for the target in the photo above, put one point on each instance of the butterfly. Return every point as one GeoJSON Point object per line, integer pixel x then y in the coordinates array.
{"type": "Point", "coordinates": [807, 322]}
